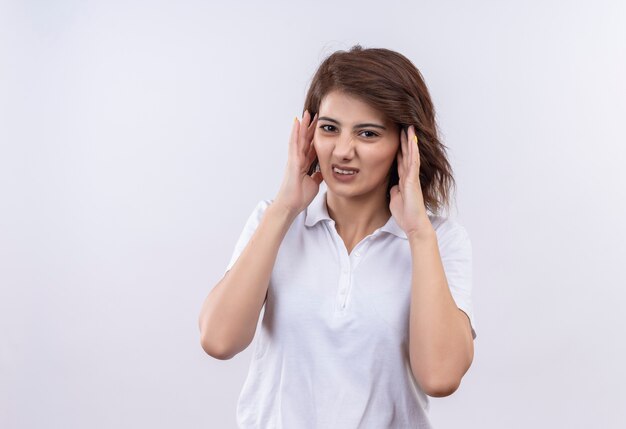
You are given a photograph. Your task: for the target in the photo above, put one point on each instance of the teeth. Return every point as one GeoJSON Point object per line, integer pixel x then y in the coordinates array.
{"type": "Point", "coordinates": [343, 171]}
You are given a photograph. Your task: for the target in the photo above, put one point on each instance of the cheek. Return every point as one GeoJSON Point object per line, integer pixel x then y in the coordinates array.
{"type": "Point", "coordinates": [380, 157]}
{"type": "Point", "coordinates": [384, 164]}
{"type": "Point", "coordinates": [317, 148]}
{"type": "Point", "coordinates": [321, 147]}
{"type": "Point", "coordinates": [392, 155]}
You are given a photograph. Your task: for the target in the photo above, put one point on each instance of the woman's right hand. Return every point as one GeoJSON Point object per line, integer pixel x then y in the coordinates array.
{"type": "Point", "coordinates": [298, 189]}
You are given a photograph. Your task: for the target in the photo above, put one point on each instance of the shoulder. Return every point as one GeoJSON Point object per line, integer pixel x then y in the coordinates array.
{"type": "Point", "coordinates": [262, 205]}
{"type": "Point", "coordinates": [448, 230]}
{"type": "Point", "coordinates": [260, 208]}
{"type": "Point", "coordinates": [255, 216]}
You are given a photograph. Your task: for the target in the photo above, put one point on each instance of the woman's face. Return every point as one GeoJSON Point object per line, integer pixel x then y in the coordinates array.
{"type": "Point", "coordinates": [352, 134]}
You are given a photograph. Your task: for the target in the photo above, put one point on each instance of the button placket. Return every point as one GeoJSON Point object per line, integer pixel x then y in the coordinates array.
{"type": "Point", "coordinates": [344, 284]}
{"type": "Point", "coordinates": [358, 252]}
{"type": "Point", "coordinates": [348, 262]}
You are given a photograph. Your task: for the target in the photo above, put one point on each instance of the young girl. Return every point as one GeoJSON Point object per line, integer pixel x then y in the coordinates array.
{"type": "Point", "coordinates": [366, 286]}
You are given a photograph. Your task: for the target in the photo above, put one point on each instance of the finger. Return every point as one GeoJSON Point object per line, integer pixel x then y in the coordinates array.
{"type": "Point", "coordinates": [414, 153]}
{"type": "Point", "coordinates": [417, 149]}
{"type": "Point", "coordinates": [400, 157]}
{"type": "Point", "coordinates": [317, 177]}
{"type": "Point", "coordinates": [302, 135]}
{"type": "Point", "coordinates": [293, 139]}
{"type": "Point", "coordinates": [399, 161]}
{"type": "Point", "coordinates": [310, 156]}
{"type": "Point", "coordinates": [394, 189]}
{"type": "Point", "coordinates": [406, 154]}
{"type": "Point", "coordinates": [411, 144]}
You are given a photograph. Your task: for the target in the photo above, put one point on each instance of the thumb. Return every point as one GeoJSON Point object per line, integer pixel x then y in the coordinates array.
{"type": "Point", "coordinates": [317, 177]}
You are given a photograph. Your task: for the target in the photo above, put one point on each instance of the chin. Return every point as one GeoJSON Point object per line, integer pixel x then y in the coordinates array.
{"type": "Point", "coordinates": [347, 192]}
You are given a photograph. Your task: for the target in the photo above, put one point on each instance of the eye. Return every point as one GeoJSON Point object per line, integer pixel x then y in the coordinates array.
{"type": "Point", "coordinates": [373, 134]}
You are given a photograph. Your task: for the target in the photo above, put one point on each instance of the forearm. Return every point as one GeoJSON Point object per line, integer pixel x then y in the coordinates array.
{"type": "Point", "coordinates": [440, 349]}
{"type": "Point", "coordinates": [230, 312]}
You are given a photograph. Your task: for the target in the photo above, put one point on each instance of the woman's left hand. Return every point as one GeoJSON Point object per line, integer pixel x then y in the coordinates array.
{"type": "Point", "coordinates": [407, 202]}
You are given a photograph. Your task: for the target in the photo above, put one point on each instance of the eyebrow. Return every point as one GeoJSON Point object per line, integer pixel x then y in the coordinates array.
{"type": "Point", "coordinates": [355, 127]}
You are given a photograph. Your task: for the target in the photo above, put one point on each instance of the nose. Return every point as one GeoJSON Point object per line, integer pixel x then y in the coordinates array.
{"type": "Point", "coordinates": [344, 148]}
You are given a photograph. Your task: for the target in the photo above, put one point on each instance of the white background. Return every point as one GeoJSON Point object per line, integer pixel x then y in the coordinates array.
{"type": "Point", "coordinates": [137, 136]}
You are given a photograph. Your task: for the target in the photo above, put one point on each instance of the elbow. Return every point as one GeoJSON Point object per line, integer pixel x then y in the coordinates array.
{"type": "Point", "coordinates": [435, 383]}
{"type": "Point", "coordinates": [439, 388]}
{"type": "Point", "coordinates": [216, 351]}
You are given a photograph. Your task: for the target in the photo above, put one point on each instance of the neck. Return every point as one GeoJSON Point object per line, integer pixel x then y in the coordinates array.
{"type": "Point", "coordinates": [359, 215]}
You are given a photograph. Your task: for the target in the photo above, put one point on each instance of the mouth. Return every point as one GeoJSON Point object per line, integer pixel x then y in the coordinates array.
{"type": "Point", "coordinates": [344, 175]}
{"type": "Point", "coordinates": [343, 169]}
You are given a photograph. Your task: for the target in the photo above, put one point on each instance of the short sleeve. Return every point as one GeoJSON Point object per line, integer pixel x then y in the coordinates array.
{"type": "Point", "coordinates": [251, 225]}
{"type": "Point", "coordinates": [455, 249]}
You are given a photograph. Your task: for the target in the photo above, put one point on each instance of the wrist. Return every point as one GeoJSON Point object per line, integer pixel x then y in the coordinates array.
{"type": "Point", "coordinates": [283, 210]}
{"type": "Point", "coordinates": [422, 234]}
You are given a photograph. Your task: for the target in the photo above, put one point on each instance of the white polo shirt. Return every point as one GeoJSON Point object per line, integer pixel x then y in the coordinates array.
{"type": "Point", "coordinates": [332, 350]}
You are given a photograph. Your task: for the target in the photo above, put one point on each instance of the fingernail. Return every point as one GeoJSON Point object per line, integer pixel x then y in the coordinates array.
{"type": "Point", "coordinates": [415, 138]}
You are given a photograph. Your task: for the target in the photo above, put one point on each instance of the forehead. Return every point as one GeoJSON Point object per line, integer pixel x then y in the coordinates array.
{"type": "Point", "coordinates": [341, 105]}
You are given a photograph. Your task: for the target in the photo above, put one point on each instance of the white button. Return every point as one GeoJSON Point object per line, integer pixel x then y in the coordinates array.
{"type": "Point", "coordinates": [357, 254]}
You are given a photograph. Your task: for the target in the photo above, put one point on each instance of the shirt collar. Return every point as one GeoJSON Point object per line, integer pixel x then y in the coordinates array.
{"type": "Point", "coordinates": [317, 211]}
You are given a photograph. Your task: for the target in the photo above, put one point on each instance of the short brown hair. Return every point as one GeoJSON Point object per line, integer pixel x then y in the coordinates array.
{"type": "Point", "coordinates": [391, 84]}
